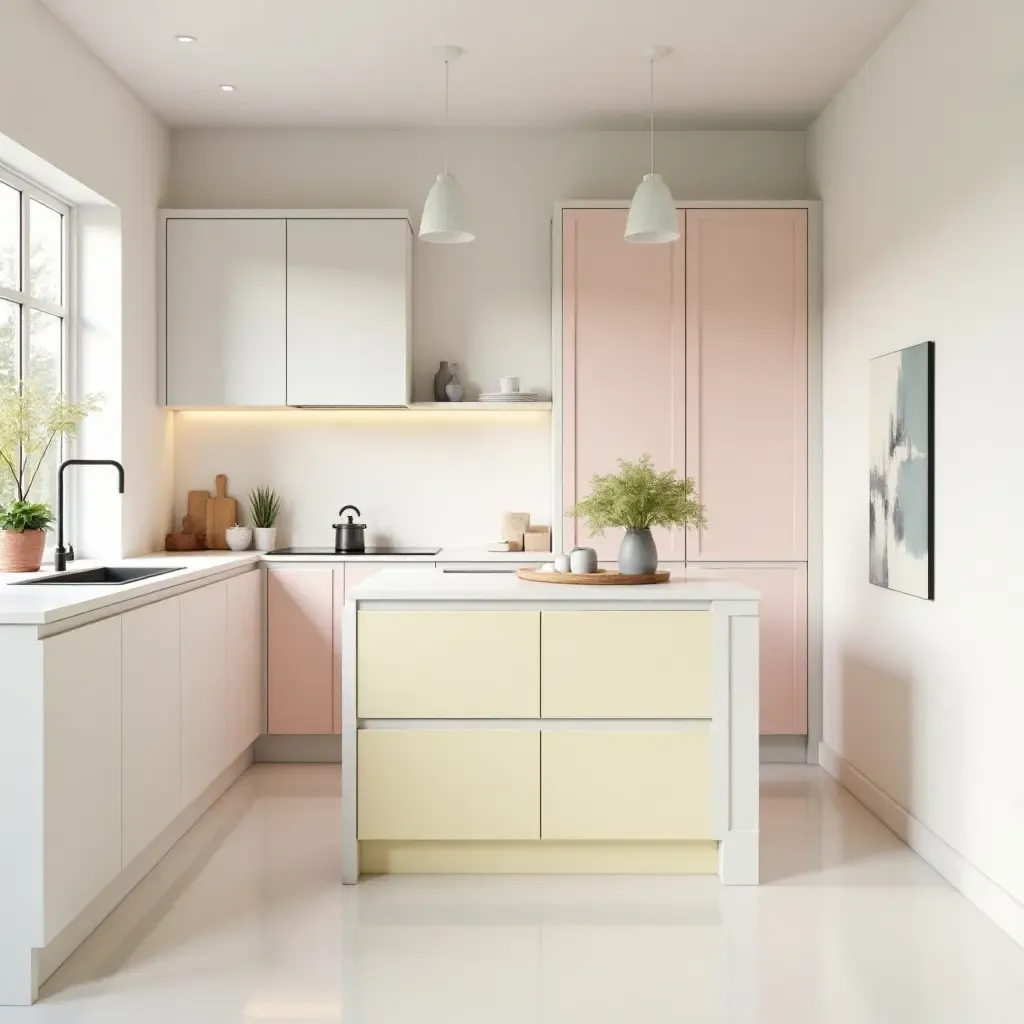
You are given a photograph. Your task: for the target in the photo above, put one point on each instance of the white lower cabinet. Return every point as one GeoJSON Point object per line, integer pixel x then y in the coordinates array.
{"type": "Point", "coordinates": [81, 769]}
{"type": "Point", "coordinates": [244, 662]}
{"type": "Point", "coordinates": [204, 707]}
{"type": "Point", "coordinates": [151, 642]}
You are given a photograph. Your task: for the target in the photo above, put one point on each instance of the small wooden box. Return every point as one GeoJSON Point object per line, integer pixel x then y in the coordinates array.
{"type": "Point", "coordinates": [513, 527]}
{"type": "Point", "coordinates": [537, 538]}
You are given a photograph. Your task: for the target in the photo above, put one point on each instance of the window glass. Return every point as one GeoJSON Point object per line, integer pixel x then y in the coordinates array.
{"type": "Point", "coordinates": [45, 245]}
{"type": "Point", "coordinates": [10, 237]}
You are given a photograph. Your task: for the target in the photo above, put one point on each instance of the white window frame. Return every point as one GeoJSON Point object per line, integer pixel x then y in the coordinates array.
{"type": "Point", "coordinates": [23, 298]}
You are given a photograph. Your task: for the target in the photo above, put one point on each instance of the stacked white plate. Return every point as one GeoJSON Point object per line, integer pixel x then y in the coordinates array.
{"type": "Point", "coordinates": [510, 396]}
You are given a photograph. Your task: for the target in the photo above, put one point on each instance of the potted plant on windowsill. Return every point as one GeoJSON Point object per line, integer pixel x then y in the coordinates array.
{"type": "Point", "coordinates": [264, 507]}
{"type": "Point", "coordinates": [638, 498]}
{"type": "Point", "coordinates": [33, 420]}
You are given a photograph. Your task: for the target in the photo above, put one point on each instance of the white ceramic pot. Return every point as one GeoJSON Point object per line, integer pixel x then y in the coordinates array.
{"type": "Point", "coordinates": [266, 538]}
{"type": "Point", "coordinates": [238, 537]}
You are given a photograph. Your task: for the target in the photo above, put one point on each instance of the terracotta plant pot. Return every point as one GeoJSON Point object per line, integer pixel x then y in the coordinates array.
{"type": "Point", "coordinates": [21, 552]}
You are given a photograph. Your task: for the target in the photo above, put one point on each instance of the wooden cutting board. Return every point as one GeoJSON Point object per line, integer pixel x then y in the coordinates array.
{"type": "Point", "coordinates": [221, 512]}
{"type": "Point", "coordinates": [197, 513]}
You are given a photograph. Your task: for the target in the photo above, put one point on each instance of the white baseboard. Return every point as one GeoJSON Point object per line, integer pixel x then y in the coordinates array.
{"type": "Point", "coordinates": [988, 896]}
{"type": "Point", "coordinates": [51, 956]}
{"type": "Point", "coordinates": [783, 750]}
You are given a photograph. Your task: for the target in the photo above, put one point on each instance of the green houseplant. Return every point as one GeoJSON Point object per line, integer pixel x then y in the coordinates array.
{"type": "Point", "coordinates": [638, 498]}
{"type": "Point", "coordinates": [33, 421]}
{"type": "Point", "coordinates": [264, 507]}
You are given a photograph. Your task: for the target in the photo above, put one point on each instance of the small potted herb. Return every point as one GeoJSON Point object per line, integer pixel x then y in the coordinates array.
{"type": "Point", "coordinates": [23, 526]}
{"type": "Point", "coordinates": [265, 506]}
{"type": "Point", "coordinates": [33, 420]}
{"type": "Point", "coordinates": [638, 498]}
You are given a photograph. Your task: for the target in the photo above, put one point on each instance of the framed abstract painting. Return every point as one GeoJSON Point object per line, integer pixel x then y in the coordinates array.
{"type": "Point", "coordinates": [901, 511]}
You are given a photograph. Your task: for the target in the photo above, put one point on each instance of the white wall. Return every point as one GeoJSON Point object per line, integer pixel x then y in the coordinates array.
{"type": "Point", "coordinates": [486, 305]}
{"type": "Point", "coordinates": [65, 117]}
{"type": "Point", "coordinates": [920, 162]}
{"type": "Point", "coordinates": [418, 478]}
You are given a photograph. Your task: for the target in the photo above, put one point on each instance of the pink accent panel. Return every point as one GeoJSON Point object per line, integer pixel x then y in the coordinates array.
{"type": "Point", "coordinates": [300, 654]}
{"type": "Point", "coordinates": [623, 383]}
{"type": "Point", "coordinates": [746, 379]}
{"type": "Point", "coordinates": [339, 605]}
{"type": "Point", "coordinates": [783, 643]}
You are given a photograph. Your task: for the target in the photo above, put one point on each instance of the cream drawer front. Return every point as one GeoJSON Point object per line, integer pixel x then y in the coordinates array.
{"type": "Point", "coordinates": [449, 784]}
{"type": "Point", "coordinates": [625, 664]}
{"type": "Point", "coordinates": [449, 664]}
{"type": "Point", "coordinates": [633, 784]}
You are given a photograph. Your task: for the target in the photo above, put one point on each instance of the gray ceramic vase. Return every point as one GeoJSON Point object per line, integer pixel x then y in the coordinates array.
{"type": "Point", "coordinates": [441, 378]}
{"type": "Point", "coordinates": [638, 554]}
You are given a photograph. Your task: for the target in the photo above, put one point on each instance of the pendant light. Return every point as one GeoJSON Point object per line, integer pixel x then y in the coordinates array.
{"type": "Point", "coordinates": [444, 215]}
{"type": "Point", "coordinates": [652, 214]}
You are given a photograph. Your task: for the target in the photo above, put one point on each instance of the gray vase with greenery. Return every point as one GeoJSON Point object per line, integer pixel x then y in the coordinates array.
{"type": "Point", "coordinates": [638, 498]}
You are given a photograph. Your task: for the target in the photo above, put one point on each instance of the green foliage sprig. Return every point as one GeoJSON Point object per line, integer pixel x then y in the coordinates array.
{"type": "Point", "coordinates": [638, 497]}
{"type": "Point", "coordinates": [20, 516]}
{"type": "Point", "coordinates": [265, 506]}
{"type": "Point", "coordinates": [32, 420]}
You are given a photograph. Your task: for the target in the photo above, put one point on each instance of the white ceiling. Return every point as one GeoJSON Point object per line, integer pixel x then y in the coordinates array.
{"type": "Point", "coordinates": [737, 63]}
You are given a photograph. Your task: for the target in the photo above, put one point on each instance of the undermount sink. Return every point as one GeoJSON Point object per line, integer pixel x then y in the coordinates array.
{"type": "Point", "coordinates": [102, 576]}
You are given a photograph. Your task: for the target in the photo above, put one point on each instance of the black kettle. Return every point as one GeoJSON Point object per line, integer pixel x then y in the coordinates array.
{"type": "Point", "coordinates": [349, 536]}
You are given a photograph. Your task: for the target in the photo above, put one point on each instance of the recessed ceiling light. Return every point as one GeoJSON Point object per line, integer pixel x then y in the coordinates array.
{"type": "Point", "coordinates": [227, 88]}
{"type": "Point", "coordinates": [186, 39]}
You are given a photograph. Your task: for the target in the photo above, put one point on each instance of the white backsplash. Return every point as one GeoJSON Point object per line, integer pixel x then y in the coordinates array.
{"type": "Point", "coordinates": [418, 478]}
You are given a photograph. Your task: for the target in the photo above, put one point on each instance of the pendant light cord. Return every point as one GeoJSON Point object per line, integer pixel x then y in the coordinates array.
{"type": "Point", "coordinates": [652, 115]}
{"type": "Point", "coordinates": [446, 117]}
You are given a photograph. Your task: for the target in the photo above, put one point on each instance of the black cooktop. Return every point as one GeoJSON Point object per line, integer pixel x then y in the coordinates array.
{"type": "Point", "coordinates": [369, 551]}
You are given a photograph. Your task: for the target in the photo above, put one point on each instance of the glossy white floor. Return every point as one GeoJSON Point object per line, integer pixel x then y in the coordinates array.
{"type": "Point", "coordinates": [246, 921]}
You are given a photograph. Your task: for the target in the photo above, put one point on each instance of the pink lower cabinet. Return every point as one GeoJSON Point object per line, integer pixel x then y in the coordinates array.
{"type": "Point", "coordinates": [300, 649]}
{"type": "Point", "coordinates": [783, 642]}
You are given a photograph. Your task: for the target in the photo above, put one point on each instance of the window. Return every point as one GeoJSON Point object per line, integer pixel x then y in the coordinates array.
{"type": "Point", "coordinates": [33, 305]}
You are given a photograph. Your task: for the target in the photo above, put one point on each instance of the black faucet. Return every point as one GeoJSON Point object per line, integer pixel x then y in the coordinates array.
{"type": "Point", "coordinates": [62, 555]}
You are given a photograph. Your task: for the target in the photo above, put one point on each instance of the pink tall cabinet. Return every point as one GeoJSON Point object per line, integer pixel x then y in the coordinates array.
{"type": "Point", "coordinates": [697, 352]}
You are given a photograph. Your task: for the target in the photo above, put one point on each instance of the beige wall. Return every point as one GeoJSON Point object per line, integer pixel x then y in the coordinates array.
{"type": "Point", "coordinates": [920, 163]}
{"type": "Point", "coordinates": [65, 117]}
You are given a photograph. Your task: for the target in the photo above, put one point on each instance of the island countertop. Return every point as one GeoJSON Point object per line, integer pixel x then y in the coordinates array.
{"type": "Point", "coordinates": [409, 585]}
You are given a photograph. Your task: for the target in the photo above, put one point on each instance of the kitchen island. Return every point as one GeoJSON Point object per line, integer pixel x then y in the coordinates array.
{"type": "Point", "coordinates": [494, 725]}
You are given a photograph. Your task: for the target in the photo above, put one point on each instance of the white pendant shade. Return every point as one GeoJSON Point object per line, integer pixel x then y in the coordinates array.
{"type": "Point", "coordinates": [652, 214]}
{"type": "Point", "coordinates": [444, 214]}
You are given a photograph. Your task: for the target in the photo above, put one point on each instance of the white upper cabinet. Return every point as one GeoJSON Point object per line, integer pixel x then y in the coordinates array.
{"type": "Point", "coordinates": [225, 312]}
{"type": "Point", "coordinates": [349, 312]}
{"type": "Point", "coordinates": [285, 309]}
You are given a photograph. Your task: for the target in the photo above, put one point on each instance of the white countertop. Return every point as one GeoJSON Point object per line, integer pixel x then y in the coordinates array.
{"type": "Point", "coordinates": [409, 585]}
{"type": "Point", "coordinates": [45, 605]}
{"type": "Point", "coordinates": [444, 555]}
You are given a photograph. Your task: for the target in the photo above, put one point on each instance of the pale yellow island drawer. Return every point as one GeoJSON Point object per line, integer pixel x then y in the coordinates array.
{"type": "Point", "coordinates": [628, 785]}
{"type": "Point", "coordinates": [626, 664]}
{"type": "Point", "coordinates": [449, 784]}
{"type": "Point", "coordinates": [448, 664]}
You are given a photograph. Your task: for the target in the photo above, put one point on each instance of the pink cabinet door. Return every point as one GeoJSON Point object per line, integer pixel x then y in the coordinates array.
{"type": "Point", "coordinates": [783, 641]}
{"type": "Point", "coordinates": [623, 352]}
{"type": "Point", "coordinates": [746, 382]}
{"type": "Point", "coordinates": [300, 651]}
{"type": "Point", "coordinates": [339, 605]}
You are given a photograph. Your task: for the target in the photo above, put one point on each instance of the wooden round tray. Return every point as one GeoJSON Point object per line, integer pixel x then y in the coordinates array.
{"type": "Point", "coordinates": [601, 577]}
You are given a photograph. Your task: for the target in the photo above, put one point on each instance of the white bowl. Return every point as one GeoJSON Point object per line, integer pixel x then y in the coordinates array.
{"type": "Point", "coordinates": [238, 537]}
